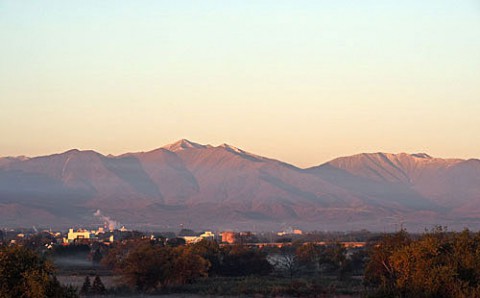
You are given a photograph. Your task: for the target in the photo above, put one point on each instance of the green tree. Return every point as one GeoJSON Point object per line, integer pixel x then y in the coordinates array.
{"type": "Point", "coordinates": [333, 258]}
{"type": "Point", "coordinates": [98, 288]}
{"type": "Point", "coordinates": [55, 290]}
{"type": "Point", "coordinates": [210, 251]}
{"type": "Point", "coordinates": [358, 260]}
{"type": "Point", "coordinates": [86, 286]}
{"type": "Point", "coordinates": [38, 241]}
{"type": "Point", "coordinates": [309, 256]}
{"type": "Point", "coordinates": [174, 242]}
{"type": "Point", "coordinates": [146, 267]}
{"type": "Point", "coordinates": [239, 260]}
{"type": "Point", "coordinates": [95, 256]}
{"type": "Point", "coordinates": [186, 232]}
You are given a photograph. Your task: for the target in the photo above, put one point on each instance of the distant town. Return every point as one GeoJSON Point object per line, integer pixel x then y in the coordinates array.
{"type": "Point", "coordinates": [107, 235]}
{"type": "Point", "coordinates": [286, 263]}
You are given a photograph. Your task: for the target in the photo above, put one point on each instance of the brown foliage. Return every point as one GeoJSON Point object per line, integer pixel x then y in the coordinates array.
{"type": "Point", "coordinates": [146, 266]}
{"type": "Point", "coordinates": [438, 264]}
{"type": "Point", "coordinates": [25, 274]}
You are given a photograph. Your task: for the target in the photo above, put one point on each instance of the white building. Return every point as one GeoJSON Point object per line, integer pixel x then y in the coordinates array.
{"type": "Point", "coordinates": [194, 239]}
{"type": "Point", "coordinates": [79, 234]}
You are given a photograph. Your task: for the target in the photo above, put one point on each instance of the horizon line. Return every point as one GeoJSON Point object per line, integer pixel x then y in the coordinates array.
{"type": "Point", "coordinates": [208, 146]}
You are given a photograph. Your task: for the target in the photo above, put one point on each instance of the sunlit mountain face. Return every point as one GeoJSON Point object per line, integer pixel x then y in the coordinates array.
{"type": "Point", "coordinates": [204, 186]}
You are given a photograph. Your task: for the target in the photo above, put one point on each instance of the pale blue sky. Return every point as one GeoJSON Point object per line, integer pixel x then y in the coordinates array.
{"type": "Point", "coordinates": [302, 81]}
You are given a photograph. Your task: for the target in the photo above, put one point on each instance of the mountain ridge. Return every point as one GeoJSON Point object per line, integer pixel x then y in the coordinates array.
{"type": "Point", "coordinates": [225, 186]}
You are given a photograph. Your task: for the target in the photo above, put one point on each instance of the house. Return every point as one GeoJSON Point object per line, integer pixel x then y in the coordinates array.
{"type": "Point", "coordinates": [79, 234]}
{"type": "Point", "coordinates": [194, 239]}
{"type": "Point", "coordinates": [228, 237]}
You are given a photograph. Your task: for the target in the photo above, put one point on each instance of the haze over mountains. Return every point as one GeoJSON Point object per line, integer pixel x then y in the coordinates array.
{"type": "Point", "coordinates": [204, 186]}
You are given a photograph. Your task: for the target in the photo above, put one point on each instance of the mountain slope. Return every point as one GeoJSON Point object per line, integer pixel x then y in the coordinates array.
{"type": "Point", "coordinates": [449, 187]}
{"type": "Point", "coordinates": [237, 181]}
{"type": "Point", "coordinates": [226, 187]}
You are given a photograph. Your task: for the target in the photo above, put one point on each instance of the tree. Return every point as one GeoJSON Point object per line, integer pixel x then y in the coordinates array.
{"type": "Point", "coordinates": [333, 258]}
{"type": "Point", "coordinates": [186, 232]}
{"type": "Point", "coordinates": [25, 274]}
{"type": "Point", "coordinates": [144, 267]}
{"type": "Point", "coordinates": [96, 256]}
{"type": "Point", "coordinates": [308, 256]}
{"type": "Point", "coordinates": [288, 261]}
{"type": "Point", "coordinates": [38, 241]}
{"type": "Point", "coordinates": [210, 251]}
{"type": "Point", "coordinates": [174, 242]}
{"type": "Point", "coordinates": [73, 250]}
{"type": "Point", "coordinates": [97, 287]}
{"type": "Point", "coordinates": [437, 264]}
{"type": "Point", "coordinates": [55, 290]}
{"type": "Point", "coordinates": [358, 260]}
{"type": "Point", "coordinates": [379, 271]}
{"type": "Point", "coordinates": [187, 265]}
{"type": "Point", "coordinates": [239, 260]}
{"type": "Point", "coordinates": [86, 287]}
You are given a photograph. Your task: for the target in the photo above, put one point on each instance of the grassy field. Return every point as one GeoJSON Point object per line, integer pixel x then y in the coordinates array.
{"type": "Point", "coordinates": [274, 286]}
{"type": "Point", "coordinates": [73, 272]}
{"type": "Point", "coordinates": [266, 286]}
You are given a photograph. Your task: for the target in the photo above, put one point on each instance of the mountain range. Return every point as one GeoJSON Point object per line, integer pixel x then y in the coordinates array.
{"type": "Point", "coordinates": [223, 187]}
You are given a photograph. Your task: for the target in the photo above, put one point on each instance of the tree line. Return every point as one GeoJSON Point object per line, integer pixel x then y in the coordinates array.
{"type": "Point", "coordinates": [24, 273]}
{"type": "Point", "coordinates": [437, 263]}
{"type": "Point", "coordinates": [147, 265]}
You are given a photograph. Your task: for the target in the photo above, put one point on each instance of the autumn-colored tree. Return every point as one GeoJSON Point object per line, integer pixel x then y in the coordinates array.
{"type": "Point", "coordinates": [186, 265]}
{"type": "Point", "coordinates": [437, 264]}
{"type": "Point", "coordinates": [25, 274]}
{"type": "Point", "coordinates": [379, 272]}
{"type": "Point", "coordinates": [147, 266]}
{"type": "Point", "coordinates": [118, 252]}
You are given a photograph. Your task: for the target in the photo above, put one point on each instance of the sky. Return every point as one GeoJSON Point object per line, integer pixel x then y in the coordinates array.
{"type": "Point", "coordinates": [299, 81]}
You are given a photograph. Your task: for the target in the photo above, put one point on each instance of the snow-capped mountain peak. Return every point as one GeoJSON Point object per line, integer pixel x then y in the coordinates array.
{"type": "Point", "coordinates": [184, 144]}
